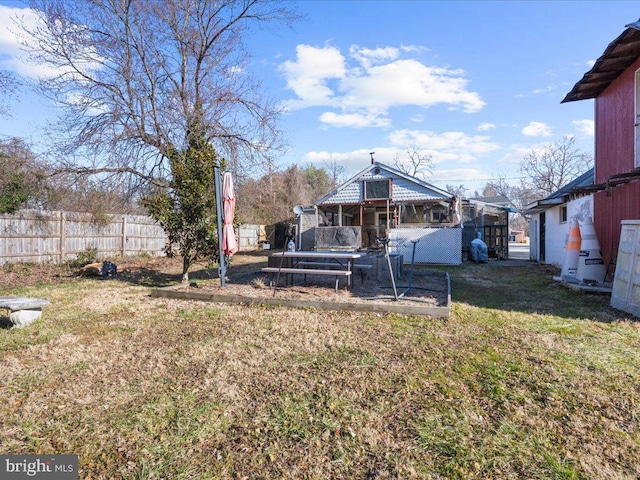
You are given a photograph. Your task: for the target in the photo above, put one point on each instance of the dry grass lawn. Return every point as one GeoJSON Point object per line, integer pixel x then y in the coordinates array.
{"type": "Point", "coordinates": [526, 379]}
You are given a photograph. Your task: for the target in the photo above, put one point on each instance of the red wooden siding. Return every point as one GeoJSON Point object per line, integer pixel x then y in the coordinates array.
{"type": "Point", "coordinates": [614, 117]}
{"type": "Point", "coordinates": [609, 211]}
{"type": "Point", "coordinates": [614, 153]}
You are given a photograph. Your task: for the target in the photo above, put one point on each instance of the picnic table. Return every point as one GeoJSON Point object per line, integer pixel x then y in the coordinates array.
{"type": "Point", "coordinates": [328, 263]}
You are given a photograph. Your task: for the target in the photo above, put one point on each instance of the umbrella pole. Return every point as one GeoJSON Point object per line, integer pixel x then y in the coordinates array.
{"type": "Point", "coordinates": [222, 270]}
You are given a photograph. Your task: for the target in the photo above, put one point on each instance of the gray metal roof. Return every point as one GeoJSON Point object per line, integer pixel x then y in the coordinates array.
{"type": "Point", "coordinates": [405, 187]}
{"type": "Point", "coordinates": [617, 57]}
{"type": "Point", "coordinates": [584, 180]}
{"type": "Point", "coordinates": [561, 195]}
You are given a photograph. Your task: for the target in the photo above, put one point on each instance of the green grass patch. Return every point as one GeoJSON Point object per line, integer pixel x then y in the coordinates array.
{"type": "Point", "coordinates": [526, 379]}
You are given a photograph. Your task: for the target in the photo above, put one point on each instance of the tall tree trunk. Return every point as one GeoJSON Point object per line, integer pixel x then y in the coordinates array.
{"type": "Point", "coordinates": [185, 269]}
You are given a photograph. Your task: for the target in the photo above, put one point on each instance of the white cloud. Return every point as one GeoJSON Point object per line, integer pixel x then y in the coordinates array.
{"type": "Point", "coordinates": [486, 126]}
{"type": "Point", "coordinates": [9, 45]}
{"type": "Point", "coordinates": [548, 88]}
{"type": "Point", "coordinates": [13, 42]}
{"type": "Point", "coordinates": [537, 129]}
{"type": "Point", "coordinates": [308, 75]}
{"type": "Point", "coordinates": [413, 48]}
{"type": "Point", "coordinates": [368, 57]}
{"type": "Point", "coordinates": [352, 162]}
{"type": "Point", "coordinates": [447, 146]}
{"type": "Point", "coordinates": [408, 82]}
{"type": "Point", "coordinates": [585, 127]}
{"type": "Point", "coordinates": [355, 120]}
{"type": "Point", "coordinates": [460, 175]}
{"type": "Point", "coordinates": [450, 152]}
{"type": "Point", "coordinates": [375, 81]}
{"type": "Point", "coordinates": [538, 91]}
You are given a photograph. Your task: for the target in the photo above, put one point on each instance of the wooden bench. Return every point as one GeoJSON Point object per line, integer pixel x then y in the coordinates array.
{"type": "Point", "coordinates": [309, 271]}
{"type": "Point", "coordinates": [24, 311]}
{"type": "Point", "coordinates": [361, 267]}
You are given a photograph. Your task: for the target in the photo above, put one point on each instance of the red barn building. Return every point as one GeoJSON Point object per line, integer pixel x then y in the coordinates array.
{"type": "Point", "coordinates": [614, 83]}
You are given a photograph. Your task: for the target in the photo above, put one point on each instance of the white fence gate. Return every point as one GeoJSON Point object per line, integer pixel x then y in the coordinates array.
{"type": "Point", "coordinates": [435, 245]}
{"type": "Point", "coordinates": [249, 237]}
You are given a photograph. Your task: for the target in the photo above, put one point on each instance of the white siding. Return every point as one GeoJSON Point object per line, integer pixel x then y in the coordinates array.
{"type": "Point", "coordinates": [557, 233]}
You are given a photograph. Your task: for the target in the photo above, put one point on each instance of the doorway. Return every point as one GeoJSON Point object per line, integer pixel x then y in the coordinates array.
{"type": "Point", "coordinates": [542, 237]}
{"type": "Point", "coordinates": [382, 219]}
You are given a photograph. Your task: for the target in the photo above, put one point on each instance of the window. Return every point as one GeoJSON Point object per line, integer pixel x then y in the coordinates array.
{"type": "Point", "coordinates": [563, 214]}
{"type": "Point", "coordinates": [440, 216]}
{"type": "Point", "coordinates": [377, 189]}
{"type": "Point", "coordinates": [437, 214]}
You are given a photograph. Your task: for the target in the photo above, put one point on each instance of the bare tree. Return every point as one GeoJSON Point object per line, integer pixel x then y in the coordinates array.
{"type": "Point", "coordinates": [148, 87]}
{"type": "Point", "coordinates": [140, 81]}
{"type": "Point", "coordinates": [417, 163]}
{"type": "Point", "coordinates": [8, 84]}
{"type": "Point", "coordinates": [498, 187]}
{"type": "Point", "coordinates": [457, 190]}
{"type": "Point", "coordinates": [336, 171]}
{"type": "Point", "coordinates": [547, 170]}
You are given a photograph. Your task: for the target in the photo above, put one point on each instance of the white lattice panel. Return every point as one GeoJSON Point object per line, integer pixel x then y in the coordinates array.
{"type": "Point", "coordinates": [442, 246]}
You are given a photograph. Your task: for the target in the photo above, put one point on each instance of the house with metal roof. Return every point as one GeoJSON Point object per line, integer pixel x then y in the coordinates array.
{"type": "Point", "coordinates": [382, 196]}
{"type": "Point", "coordinates": [550, 218]}
{"type": "Point", "coordinates": [383, 202]}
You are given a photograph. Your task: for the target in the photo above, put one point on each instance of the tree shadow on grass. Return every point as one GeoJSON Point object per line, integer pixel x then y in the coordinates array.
{"type": "Point", "coordinates": [158, 274]}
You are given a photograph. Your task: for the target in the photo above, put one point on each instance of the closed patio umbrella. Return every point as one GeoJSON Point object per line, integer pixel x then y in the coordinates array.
{"type": "Point", "coordinates": [229, 243]}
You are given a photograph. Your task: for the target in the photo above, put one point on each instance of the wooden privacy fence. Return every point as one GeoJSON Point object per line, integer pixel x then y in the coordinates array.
{"type": "Point", "coordinates": [36, 236]}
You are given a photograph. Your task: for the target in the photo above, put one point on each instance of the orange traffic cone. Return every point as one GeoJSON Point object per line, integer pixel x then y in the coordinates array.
{"type": "Point", "coordinates": [591, 267]}
{"type": "Point", "coordinates": [572, 254]}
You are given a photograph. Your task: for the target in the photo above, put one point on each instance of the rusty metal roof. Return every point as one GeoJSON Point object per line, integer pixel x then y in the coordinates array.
{"type": "Point", "coordinates": [617, 57]}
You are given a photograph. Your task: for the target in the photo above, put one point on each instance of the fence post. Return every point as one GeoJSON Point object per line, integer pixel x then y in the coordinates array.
{"type": "Point", "coordinates": [63, 236]}
{"type": "Point", "coordinates": [124, 237]}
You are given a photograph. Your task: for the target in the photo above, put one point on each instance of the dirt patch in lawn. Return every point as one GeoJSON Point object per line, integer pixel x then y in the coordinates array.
{"type": "Point", "coordinates": [425, 292]}
{"type": "Point", "coordinates": [426, 287]}
{"type": "Point", "coordinates": [246, 282]}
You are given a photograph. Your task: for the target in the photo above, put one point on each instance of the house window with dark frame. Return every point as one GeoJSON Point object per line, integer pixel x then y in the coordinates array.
{"type": "Point", "coordinates": [377, 189]}
{"type": "Point", "coordinates": [563, 214]}
{"type": "Point", "coordinates": [436, 213]}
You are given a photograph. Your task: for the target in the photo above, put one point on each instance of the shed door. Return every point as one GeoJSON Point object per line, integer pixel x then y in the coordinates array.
{"type": "Point", "coordinates": [542, 237]}
{"type": "Point", "coordinates": [533, 240]}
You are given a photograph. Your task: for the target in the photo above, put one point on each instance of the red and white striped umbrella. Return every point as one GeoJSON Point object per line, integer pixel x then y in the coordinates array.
{"type": "Point", "coordinates": [229, 242]}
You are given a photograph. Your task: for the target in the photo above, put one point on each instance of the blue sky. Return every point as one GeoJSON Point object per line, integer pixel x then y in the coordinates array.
{"type": "Point", "coordinates": [476, 85]}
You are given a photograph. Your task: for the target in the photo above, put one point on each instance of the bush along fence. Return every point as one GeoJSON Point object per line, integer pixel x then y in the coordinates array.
{"type": "Point", "coordinates": [45, 236]}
